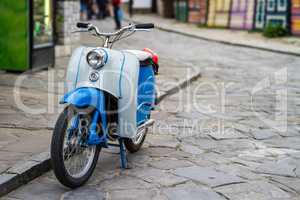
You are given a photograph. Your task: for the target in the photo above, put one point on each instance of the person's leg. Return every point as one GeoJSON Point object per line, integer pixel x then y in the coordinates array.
{"type": "Point", "coordinates": [117, 17]}
{"type": "Point", "coordinates": [130, 7]}
{"type": "Point", "coordinates": [99, 14]}
{"type": "Point", "coordinates": [89, 11]}
{"type": "Point", "coordinates": [105, 8]}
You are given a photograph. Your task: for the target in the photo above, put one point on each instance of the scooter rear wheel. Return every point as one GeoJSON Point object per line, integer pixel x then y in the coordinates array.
{"type": "Point", "coordinates": [73, 163]}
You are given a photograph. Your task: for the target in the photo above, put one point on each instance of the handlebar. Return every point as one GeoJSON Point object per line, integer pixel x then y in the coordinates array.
{"type": "Point", "coordinates": [144, 26]}
{"type": "Point", "coordinates": [91, 27]}
{"type": "Point", "coordinates": [82, 25]}
{"type": "Point", "coordinates": [112, 37]}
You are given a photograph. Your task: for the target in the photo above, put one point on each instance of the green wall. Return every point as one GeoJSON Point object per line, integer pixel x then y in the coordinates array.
{"type": "Point", "coordinates": [14, 36]}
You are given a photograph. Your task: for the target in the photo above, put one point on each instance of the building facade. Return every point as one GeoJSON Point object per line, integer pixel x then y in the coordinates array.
{"type": "Point", "coordinates": [295, 17]}
{"type": "Point", "coordinates": [242, 14]}
{"type": "Point", "coordinates": [278, 12]}
{"type": "Point", "coordinates": [198, 11]}
{"type": "Point", "coordinates": [219, 13]}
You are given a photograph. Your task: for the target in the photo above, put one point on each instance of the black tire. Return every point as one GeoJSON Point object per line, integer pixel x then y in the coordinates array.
{"type": "Point", "coordinates": [57, 153]}
{"type": "Point", "coordinates": [131, 146]}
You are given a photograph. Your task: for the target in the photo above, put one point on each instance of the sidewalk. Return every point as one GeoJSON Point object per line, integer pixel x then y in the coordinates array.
{"type": "Point", "coordinates": [286, 45]}
{"type": "Point", "coordinates": [25, 137]}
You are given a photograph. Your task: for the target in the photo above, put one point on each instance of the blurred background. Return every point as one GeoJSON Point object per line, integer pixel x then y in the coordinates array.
{"type": "Point", "coordinates": [33, 29]}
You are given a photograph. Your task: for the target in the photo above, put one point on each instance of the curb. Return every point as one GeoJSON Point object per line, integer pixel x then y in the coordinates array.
{"type": "Point", "coordinates": [221, 41]}
{"type": "Point", "coordinates": [25, 171]}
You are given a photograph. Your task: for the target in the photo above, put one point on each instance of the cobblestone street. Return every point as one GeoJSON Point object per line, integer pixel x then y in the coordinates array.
{"type": "Point", "coordinates": [232, 134]}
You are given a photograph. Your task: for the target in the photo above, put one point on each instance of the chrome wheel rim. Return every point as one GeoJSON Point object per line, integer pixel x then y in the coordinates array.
{"type": "Point", "coordinates": [78, 158]}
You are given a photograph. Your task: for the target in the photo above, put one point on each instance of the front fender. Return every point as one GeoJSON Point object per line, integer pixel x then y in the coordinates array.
{"type": "Point", "coordinates": [84, 97]}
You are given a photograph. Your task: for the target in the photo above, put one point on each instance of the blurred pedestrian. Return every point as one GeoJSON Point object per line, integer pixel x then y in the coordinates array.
{"type": "Point", "coordinates": [102, 8]}
{"type": "Point", "coordinates": [89, 8]}
{"type": "Point", "coordinates": [130, 9]}
{"type": "Point", "coordinates": [83, 9]}
{"type": "Point", "coordinates": [117, 12]}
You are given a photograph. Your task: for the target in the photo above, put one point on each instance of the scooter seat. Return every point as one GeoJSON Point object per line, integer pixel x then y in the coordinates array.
{"type": "Point", "coordinates": [141, 55]}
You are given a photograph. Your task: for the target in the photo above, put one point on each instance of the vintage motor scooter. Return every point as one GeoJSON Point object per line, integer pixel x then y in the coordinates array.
{"type": "Point", "coordinates": [110, 95]}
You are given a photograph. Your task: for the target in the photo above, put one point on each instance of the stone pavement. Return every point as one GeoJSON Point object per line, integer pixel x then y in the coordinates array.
{"type": "Point", "coordinates": [187, 156]}
{"type": "Point", "coordinates": [289, 45]}
{"type": "Point", "coordinates": [233, 134]}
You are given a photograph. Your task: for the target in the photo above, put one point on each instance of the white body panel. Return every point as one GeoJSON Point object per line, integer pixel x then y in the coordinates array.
{"type": "Point", "coordinates": [119, 77]}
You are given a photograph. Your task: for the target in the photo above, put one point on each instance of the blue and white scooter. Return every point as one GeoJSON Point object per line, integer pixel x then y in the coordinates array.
{"type": "Point", "coordinates": [109, 101]}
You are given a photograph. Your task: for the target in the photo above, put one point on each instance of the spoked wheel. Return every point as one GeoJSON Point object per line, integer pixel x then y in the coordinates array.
{"type": "Point", "coordinates": [134, 144]}
{"type": "Point", "coordinates": [73, 161]}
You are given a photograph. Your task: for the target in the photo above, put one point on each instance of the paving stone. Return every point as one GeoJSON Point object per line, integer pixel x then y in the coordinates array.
{"type": "Point", "coordinates": [41, 141]}
{"type": "Point", "coordinates": [40, 188]}
{"type": "Point", "coordinates": [4, 166]}
{"type": "Point", "coordinates": [215, 158]}
{"type": "Point", "coordinates": [258, 190]}
{"type": "Point", "coordinates": [21, 121]}
{"type": "Point", "coordinates": [6, 137]}
{"type": "Point", "coordinates": [281, 168]}
{"type": "Point", "coordinates": [192, 115]}
{"type": "Point", "coordinates": [290, 132]}
{"type": "Point", "coordinates": [139, 160]}
{"type": "Point", "coordinates": [292, 183]}
{"type": "Point", "coordinates": [191, 191]}
{"type": "Point", "coordinates": [266, 153]}
{"type": "Point", "coordinates": [227, 134]}
{"type": "Point", "coordinates": [240, 171]}
{"type": "Point", "coordinates": [170, 163]}
{"type": "Point", "coordinates": [130, 194]}
{"type": "Point", "coordinates": [158, 151]}
{"type": "Point", "coordinates": [157, 176]}
{"type": "Point", "coordinates": [123, 183]}
{"type": "Point", "coordinates": [9, 198]}
{"type": "Point", "coordinates": [288, 142]}
{"type": "Point", "coordinates": [297, 171]}
{"type": "Point", "coordinates": [83, 193]}
{"type": "Point", "coordinates": [263, 134]}
{"type": "Point", "coordinates": [191, 149]}
{"type": "Point", "coordinates": [207, 176]}
{"type": "Point", "coordinates": [162, 141]}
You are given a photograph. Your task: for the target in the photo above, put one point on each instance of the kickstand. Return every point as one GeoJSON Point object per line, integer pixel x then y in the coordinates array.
{"type": "Point", "coordinates": [123, 157]}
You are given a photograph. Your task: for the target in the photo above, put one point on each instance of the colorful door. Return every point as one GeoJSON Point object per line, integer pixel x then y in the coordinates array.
{"type": "Point", "coordinates": [295, 20]}
{"type": "Point", "coordinates": [181, 10]}
{"type": "Point", "coordinates": [260, 14]}
{"type": "Point", "coordinates": [197, 11]}
{"type": "Point", "coordinates": [242, 14]}
{"type": "Point", "coordinates": [277, 12]}
{"type": "Point", "coordinates": [219, 13]}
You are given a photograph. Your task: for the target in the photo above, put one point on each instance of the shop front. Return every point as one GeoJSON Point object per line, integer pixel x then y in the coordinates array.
{"type": "Point", "coordinates": [26, 34]}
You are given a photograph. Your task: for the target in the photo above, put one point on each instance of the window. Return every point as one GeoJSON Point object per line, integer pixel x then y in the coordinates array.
{"type": "Point", "coordinates": [42, 20]}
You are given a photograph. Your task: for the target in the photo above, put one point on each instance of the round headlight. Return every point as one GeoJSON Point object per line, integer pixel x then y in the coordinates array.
{"type": "Point", "coordinates": [96, 59]}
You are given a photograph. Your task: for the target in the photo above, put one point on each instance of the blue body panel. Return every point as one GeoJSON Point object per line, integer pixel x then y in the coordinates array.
{"type": "Point", "coordinates": [146, 93]}
{"type": "Point", "coordinates": [84, 97]}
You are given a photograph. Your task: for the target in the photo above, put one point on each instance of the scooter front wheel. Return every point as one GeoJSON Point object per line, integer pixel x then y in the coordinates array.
{"type": "Point", "coordinates": [72, 160]}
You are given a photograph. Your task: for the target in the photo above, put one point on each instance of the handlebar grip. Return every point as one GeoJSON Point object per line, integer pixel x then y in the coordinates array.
{"type": "Point", "coordinates": [82, 25]}
{"type": "Point", "coordinates": [144, 26]}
